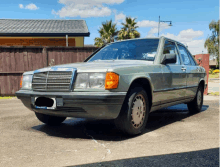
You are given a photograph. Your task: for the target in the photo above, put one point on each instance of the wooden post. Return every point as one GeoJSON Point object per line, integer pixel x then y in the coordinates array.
{"type": "Point", "coordinates": [66, 40]}
{"type": "Point", "coordinates": [45, 53]}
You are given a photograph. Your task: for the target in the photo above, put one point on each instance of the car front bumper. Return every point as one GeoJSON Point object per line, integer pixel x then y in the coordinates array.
{"type": "Point", "coordinates": [97, 105]}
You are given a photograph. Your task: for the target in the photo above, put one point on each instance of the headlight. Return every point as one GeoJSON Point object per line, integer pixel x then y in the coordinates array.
{"type": "Point", "coordinates": [26, 81]}
{"type": "Point", "coordinates": [82, 81]}
{"type": "Point", "coordinates": [90, 80]}
{"type": "Point", "coordinates": [97, 80]}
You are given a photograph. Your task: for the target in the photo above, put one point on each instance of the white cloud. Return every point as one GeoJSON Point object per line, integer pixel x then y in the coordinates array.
{"type": "Point", "coordinates": [188, 37]}
{"type": "Point", "coordinates": [119, 17]}
{"type": "Point", "coordinates": [147, 23]}
{"type": "Point", "coordinates": [84, 12]}
{"type": "Point", "coordinates": [153, 25]}
{"type": "Point", "coordinates": [85, 8]}
{"type": "Point", "coordinates": [30, 6]}
{"type": "Point", "coordinates": [21, 6]}
{"type": "Point", "coordinates": [92, 2]}
{"type": "Point", "coordinates": [190, 33]}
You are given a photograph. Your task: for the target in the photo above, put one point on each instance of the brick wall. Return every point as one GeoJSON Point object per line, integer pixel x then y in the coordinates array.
{"type": "Point", "coordinates": [204, 62]}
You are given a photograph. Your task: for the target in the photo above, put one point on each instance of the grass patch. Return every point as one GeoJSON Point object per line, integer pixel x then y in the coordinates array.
{"type": "Point", "coordinates": [214, 93]}
{"type": "Point", "coordinates": [214, 75]}
{"type": "Point", "coordinates": [7, 97]}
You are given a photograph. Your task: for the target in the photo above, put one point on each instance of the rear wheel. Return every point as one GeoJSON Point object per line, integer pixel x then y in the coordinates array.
{"type": "Point", "coordinates": [49, 119]}
{"type": "Point", "coordinates": [134, 113]}
{"type": "Point", "coordinates": [195, 106]}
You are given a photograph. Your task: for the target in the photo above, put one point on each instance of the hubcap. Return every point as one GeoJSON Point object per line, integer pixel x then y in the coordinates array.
{"type": "Point", "coordinates": [138, 111]}
{"type": "Point", "coordinates": [199, 97]}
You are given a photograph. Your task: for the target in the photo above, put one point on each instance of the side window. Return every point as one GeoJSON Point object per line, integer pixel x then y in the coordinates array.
{"type": "Point", "coordinates": [191, 59]}
{"type": "Point", "coordinates": [184, 55]}
{"type": "Point", "coordinates": [170, 47]}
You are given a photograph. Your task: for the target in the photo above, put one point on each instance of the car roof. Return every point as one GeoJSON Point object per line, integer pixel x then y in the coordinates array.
{"type": "Point", "coordinates": [161, 37]}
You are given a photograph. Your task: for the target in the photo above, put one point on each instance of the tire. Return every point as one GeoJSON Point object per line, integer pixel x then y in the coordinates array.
{"type": "Point", "coordinates": [134, 113]}
{"type": "Point", "coordinates": [195, 106]}
{"type": "Point", "coordinates": [49, 119]}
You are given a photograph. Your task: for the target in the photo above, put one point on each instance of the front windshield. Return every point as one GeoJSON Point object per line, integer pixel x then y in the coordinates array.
{"type": "Point", "coordinates": [141, 49]}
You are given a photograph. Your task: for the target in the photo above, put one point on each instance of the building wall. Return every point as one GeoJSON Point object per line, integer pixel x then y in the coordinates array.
{"type": "Point", "coordinates": [41, 41]}
{"type": "Point", "coordinates": [204, 62]}
{"type": "Point", "coordinates": [79, 41]}
{"type": "Point", "coordinates": [213, 63]}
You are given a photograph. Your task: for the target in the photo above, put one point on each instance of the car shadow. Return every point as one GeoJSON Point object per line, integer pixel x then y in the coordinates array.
{"type": "Point", "coordinates": [169, 115]}
{"type": "Point", "coordinates": [207, 157]}
{"type": "Point", "coordinates": [78, 128]}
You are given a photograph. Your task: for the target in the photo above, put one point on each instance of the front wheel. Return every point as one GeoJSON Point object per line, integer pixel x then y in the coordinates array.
{"type": "Point", "coordinates": [49, 119]}
{"type": "Point", "coordinates": [195, 106]}
{"type": "Point", "coordinates": [134, 113]}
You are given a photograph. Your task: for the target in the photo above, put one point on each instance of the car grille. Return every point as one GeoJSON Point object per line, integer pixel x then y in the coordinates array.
{"type": "Point", "coordinates": [52, 81]}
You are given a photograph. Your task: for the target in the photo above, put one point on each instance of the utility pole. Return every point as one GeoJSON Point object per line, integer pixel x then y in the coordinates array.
{"type": "Point", "coordinates": [163, 22]}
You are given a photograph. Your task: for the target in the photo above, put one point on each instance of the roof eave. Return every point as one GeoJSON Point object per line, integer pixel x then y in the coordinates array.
{"type": "Point", "coordinates": [44, 34]}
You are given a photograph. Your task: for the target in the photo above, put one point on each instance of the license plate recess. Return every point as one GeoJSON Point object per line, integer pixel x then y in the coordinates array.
{"type": "Point", "coordinates": [46, 107]}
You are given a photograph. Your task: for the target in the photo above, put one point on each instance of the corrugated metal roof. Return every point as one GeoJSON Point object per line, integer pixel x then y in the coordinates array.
{"type": "Point", "coordinates": [16, 26]}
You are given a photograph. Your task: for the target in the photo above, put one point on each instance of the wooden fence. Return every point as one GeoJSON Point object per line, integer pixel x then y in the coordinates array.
{"type": "Point", "coordinates": [16, 60]}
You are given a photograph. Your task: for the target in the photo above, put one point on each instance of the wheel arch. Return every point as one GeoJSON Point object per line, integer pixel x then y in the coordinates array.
{"type": "Point", "coordinates": [147, 86]}
{"type": "Point", "coordinates": [202, 84]}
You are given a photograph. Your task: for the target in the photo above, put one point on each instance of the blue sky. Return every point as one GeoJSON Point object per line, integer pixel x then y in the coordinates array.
{"type": "Point", "coordinates": [190, 18]}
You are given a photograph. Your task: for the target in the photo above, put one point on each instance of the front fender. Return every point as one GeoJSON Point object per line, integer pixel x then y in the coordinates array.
{"type": "Point", "coordinates": [126, 80]}
{"type": "Point", "coordinates": [147, 77]}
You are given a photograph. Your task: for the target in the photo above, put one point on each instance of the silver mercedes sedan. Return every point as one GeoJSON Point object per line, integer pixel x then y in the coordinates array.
{"type": "Point", "coordinates": [124, 81]}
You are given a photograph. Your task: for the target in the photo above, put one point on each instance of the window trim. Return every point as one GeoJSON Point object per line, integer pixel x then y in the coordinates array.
{"type": "Point", "coordinates": [188, 54]}
{"type": "Point", "coordinates": [176, 49]}
{"type": "Point", "coordinates": [181, 61]}
{"type": "Point", "coordinates": [192, 58]}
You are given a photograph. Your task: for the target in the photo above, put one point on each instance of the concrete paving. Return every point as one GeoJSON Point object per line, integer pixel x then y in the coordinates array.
{"type": "Point", "coordinates": [213, 85]}
{"type": "Point", "coordinates": [208, 97]}
{"type": "Point", "coordinates": [173, 137]}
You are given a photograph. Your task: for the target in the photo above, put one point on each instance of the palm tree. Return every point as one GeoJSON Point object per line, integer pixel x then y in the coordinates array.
{"type": "Point", "coordinates": [128, 30]}
{"type": "Point", "coordinates": [107, 32]}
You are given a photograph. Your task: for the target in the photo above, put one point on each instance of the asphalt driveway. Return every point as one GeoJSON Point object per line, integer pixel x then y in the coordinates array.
{"type": "Point", "coordinates": [173, 137]}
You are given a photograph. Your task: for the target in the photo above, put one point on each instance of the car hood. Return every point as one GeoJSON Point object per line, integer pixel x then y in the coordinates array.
{"type": "Point", "coordinates": [98, 66]}
{"type": "Point", "coordinates": [105, 65]}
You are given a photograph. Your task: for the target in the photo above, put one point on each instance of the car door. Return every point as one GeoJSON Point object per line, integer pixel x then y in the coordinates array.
{"type": "Point", "coordinates": [174, 76]}
{"type": "Point", "coordinates": [192, 75]}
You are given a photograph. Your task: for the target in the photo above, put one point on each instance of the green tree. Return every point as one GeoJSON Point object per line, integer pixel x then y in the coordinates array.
{"type": "Point", "coordinates": [212, 42]}
{"type": "Point", "coordinates": [128, 30]}
{"type": "Point", "coordinates": [107, 32]}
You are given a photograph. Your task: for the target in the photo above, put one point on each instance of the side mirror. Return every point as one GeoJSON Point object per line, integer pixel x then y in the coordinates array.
{"type": "Point", "coordinates": [169, 58]}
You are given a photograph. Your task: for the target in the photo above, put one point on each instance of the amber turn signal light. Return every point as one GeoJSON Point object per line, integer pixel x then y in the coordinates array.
{"type": "Point", "coordinates": [21, 81]}
{"type": "Point", "coordinates": [111, 80]}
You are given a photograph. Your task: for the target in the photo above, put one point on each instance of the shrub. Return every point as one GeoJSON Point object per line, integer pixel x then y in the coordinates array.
{"type": "Point", "coordinates": [216, 71]}
{"type": "Point", "coordinates": [211, 71]}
